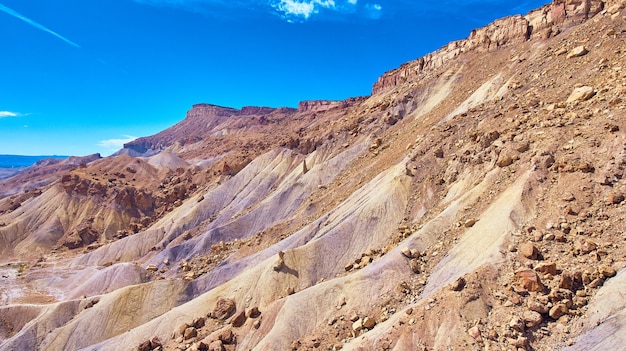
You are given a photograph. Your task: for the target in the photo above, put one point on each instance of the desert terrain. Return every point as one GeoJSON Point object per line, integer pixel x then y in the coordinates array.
{"type": "Point", "coordinates": [475, 201]}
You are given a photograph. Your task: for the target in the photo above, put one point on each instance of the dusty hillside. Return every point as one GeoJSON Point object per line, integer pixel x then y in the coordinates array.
{"type": "Point", "coordinates": [474, 202]}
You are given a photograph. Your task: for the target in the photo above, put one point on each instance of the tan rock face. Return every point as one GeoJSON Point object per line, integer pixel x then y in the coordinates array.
{"type": "Point", "coordinates": [544, 23]}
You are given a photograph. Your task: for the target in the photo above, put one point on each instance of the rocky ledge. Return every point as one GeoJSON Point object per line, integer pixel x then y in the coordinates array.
{"type": "Point", "coordinates": [544, 23]}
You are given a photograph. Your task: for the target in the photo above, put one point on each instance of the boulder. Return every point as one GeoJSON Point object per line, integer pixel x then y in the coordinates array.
{"type": "Point", "coordinates": [529, 280]}
{"type": "Point", "coordinates": [615, 198]}
{"type": "Point", "coordinates": [558, 311]}
{"type": "Point", "coordinates": [406, 252]}
{"type": "Point", "coordinates": [504, 160]}
{"type": "Point", "coordinates": [155, 343]}
{"type": "Point", "coordinates": [529, 251]}
{"type": "Point", "coordinates": [415, 265]}
{"type": "Point", "coordinates": [581, 94]}
{"type": "Point", "coordinates": [516, 323]}
{"type": "Point", "coordinates": [144, 346]}
{"type": "Point", "coordinates": [578, 52]}
{"type": "Point", "coordinates": [532, 319]}
{"type": "Point", "coordinates": [190, 332]}
{"type": "Point", "coordinates": [198, 322]}
{"type": "Point", "coordinates": [227, 337]}
{"type": "Point", "coordinates": [239, 319]}
{"type": "Point", "coordinates": [537, 306]}
{"type": "Point", "coordinates": [253, 312]}
{"type": "Point", "coordinates": [546, 268]}
{"type": "Point", "coordinates": [224, 309]}
{"type": "Point", "coordinates": [474, 332]}
{"type": "Point", "coordinates": [181, 328]}
{"type": "Point", "coordinates": [607, 271]}
{"type": "Point", "coordinates": [566, 281]}
{"type": "Point", "coordinates": [458, 284]}
{"type": "Point", "coordinates": [369, 323]}
{"type": "Point", "coordinates": [216, 346]}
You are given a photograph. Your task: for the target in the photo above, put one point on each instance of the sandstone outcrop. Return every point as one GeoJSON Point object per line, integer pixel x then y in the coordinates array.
{"type": "Point", "coordinates": [502, 32]}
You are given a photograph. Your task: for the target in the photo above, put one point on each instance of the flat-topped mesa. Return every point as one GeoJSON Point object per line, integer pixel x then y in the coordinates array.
{"type": "Point", "coordinates": [200, 120]}
{"type": "Point", "coordinates": [256, 110]}
{"type": "Point", "coordinates": [212, 111]}
{"type": "Point", "coordinates": [209, 110]}
{"type": "Point", "coordinates": [317, 105]}
{"type": "Point", "coordinates": [325, 105]}
{"type": "Point", "coordinates": [508, 30]}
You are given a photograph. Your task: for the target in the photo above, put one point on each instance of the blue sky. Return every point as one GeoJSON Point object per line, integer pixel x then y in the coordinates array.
{"type": "Point", "coordinates": [79, 77]}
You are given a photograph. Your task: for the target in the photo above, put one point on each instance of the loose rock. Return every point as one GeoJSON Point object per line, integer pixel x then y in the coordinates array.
{"type": "Point", "coordinates": [190, 332]}
{"type": "Point", "coordinates": [458, 284]}
{"type": "Point", "coordinates": [529, 280]}
{"type": "Point", "coordinates": [253, 312]}
{"type": "Point", "coordinates": [239, 319]}
{"type": "Point", "coordinates": [223, 309]}
{"type": "Point", "coordinates": [578, 52]}
{"type": "Point", "coordinates": [581, 94]}
{"type": "Point", "coordinates": [607, 271]}
{"type": "Point", "coordinates": [558, 311]}
{"type": "Point", "coordinates": [226, 336]}
{"type": "Point", "coordinates": [369, 323]}
{"type": "Point", "coordinates": [547, 268]}
{"type": "Point", "coordinates": [529, 251]}
{"type": "Point", "coordinates": [532, 319]}
{"type": "Point", "coordinates": [216, 346]}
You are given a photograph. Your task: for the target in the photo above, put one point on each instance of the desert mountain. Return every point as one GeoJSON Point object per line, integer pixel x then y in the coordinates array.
{"type": "Point", "coordinates": [475, 201]}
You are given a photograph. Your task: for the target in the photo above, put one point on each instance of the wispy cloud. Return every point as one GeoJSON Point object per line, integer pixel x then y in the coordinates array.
{"type": "Point", "coordinates": [4, 114]}
{"type": "Point", "coordinates": [36, 25]}
{"type": "Point", "coordinates": [116, 144]}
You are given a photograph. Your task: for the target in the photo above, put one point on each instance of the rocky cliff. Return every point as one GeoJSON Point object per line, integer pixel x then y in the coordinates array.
{"type": "Point", "coordinates": [541, 23]}
{"type": "Point", "coordinates": [201, 121]}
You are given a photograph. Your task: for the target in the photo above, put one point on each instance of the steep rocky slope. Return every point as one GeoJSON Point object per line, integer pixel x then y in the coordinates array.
{"type": "Point", "coordinates": [474, 201]}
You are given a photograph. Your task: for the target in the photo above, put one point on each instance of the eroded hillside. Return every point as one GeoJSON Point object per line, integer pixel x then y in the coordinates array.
{"type": "Point", "coordinates": [474, 201]}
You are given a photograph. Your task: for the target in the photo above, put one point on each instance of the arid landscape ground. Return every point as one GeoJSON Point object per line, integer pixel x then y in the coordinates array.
{"type": "Point", "coordinates": [475, 201]}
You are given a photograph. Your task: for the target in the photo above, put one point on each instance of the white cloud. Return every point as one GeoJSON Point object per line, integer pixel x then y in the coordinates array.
{"type": "Point", "coordinates": [116, 144]}
{"type": "Point", "coordinates": [295, 8]}
{"type": "Point", "coordinates": [303, 8]}
{"type": "Point", "coordinates": [288, 9]}
{"type": "Point", "coordinates": [8, 114]}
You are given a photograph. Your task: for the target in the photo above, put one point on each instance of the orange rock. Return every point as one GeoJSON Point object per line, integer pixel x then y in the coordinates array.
{"type": "Point", "coordinates": [529, 280]}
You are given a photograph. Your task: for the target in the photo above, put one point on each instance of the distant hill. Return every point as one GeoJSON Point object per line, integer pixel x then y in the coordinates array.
{"type": "Point", "coordinates": [13, 164]}
{"type": "Point", "coordinates": [17, 161]}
